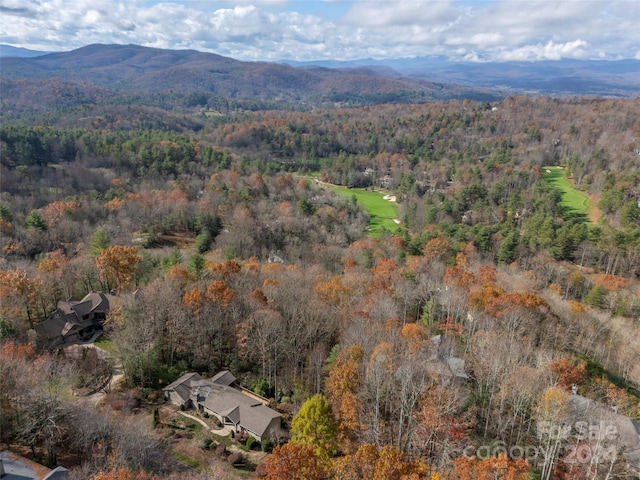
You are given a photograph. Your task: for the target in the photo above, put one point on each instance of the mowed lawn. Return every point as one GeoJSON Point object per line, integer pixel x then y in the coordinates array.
{"type": "Point", "coordinates": [382, 211]}
{"type": "Point", "coordinates": [575, 201]}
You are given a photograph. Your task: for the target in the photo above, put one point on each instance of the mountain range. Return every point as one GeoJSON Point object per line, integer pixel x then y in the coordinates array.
{"type": "Point", "coordinates": [102, 70]}
{"type": "Point", "coordinates": [151, 70]}
{"type": "Point", "coordinates": [567, 77]}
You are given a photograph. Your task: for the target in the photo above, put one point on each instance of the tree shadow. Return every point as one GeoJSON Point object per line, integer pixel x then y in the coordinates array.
{"type": "Point", "coordinates": [570, 214]}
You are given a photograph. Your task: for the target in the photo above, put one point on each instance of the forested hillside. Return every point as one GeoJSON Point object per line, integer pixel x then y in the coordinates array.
{"type": "Point", "coordinates": [485, 321]}
{"type": "Point", "coordinates": [204, 79]}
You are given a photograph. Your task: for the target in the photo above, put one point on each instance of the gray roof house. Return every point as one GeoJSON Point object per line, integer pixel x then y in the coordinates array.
{"type": "Point", "coordinates": [219, 396]}
{"type": "Point", "coordinates": [74, 322]}
{"type": "Point", "coordinates": [15, 467]}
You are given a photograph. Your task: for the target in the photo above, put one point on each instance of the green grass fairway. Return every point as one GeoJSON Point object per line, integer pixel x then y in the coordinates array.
{"type": "Point", "coordinates": [382, 211]}
{"type": "Point", "coordinates": [574, 201]}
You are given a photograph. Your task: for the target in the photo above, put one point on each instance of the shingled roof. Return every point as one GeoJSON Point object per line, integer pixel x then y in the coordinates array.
{"type": "Point", "coordinates": [15, 467]}
{"type": "Point", "coordinates": [230, 404]}
{"type": "Point", "coordinates": [72, 314]}
{"type": "Point", "coordinates": [182, 386]}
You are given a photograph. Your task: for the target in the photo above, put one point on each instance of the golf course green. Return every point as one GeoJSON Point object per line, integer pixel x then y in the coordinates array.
{"type": "Point", "coordinates": [380, 206]}
{"type": "Point", "coordinates": [573, 200]}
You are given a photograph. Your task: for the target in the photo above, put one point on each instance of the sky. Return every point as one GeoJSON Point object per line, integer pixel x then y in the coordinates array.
{"type": "Point", "coordinates": [307, 30]}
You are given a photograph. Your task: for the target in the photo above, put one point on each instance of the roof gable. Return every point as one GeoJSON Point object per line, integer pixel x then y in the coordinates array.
{"type": "Point", "coordinates": [216, 395]}
{"type": "Point", "coordinates": [225, 377]}
{"type": "Point", "coordinates": [185, 380]}
{"type": "Point", "coordinates": [72, 314]}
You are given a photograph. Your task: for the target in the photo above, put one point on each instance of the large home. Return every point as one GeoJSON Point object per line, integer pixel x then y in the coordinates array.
{"type": "Point", "coordinates": [220, 396]}
{"type": "Point", "coordinates": [15, 467]}
{"type": "Point", "coordinates": [74, 322]}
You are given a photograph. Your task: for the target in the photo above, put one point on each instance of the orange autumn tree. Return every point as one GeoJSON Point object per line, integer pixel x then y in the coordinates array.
{"type": "Point", "coordinates": [56, 210]}
{"type": "Point", "coordinates": [18, 294]}
{"type": "Point", "coordinates": [416, 336]}
{"type": "Point", "coordinates": [194, 300]}
{"type": "Point", "coordinates": [370, 462]}
{"type": "Point", "coordinates": [18, 351]}
{"type": "Point", "coordinates": [124, 474]}
{"type": "Point", "coordinates": [506, 302]}
{"type": "Point", "coordinates": [391, 464]}
{"type": "Point", "coordinates": [220, 292]}
{"type": "Point", "coordinates": [333, 291]}
{"type": "Point", "coordinates": [345, 378]}
{"type": "Point", "coordinates": [225, 268]}
{"type": "Point", "coordinates": [118, 265]}
{"type": "Point", "coordinates": [294, 461]}
{"type": "Point", "coordinates": [487, 275]}
{"type": "Point", "coordinates": [437, 249]}
{"type": "Point", "coordinates": [494, 468]}
{"type": "Point", "coordinates": [459, 277]}
{"type": "Point", "coordinates": [179, 275]}
{"type": "Point", "coordinates": [481, 297]}
{"type": "Point", "coordinates": [569, 373]}
{"type": "Point", "coordinates": [383, 275]}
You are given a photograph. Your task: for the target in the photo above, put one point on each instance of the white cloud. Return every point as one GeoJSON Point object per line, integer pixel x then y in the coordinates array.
{"type": "Point", "coordinates": [401, 13]}
{"type": "Point", "coordinates": [273, 29]}
{"type": "Point", "coordinates": [550, 51]}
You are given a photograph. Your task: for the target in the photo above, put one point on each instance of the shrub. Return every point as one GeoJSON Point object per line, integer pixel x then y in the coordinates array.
{"type": "Point", "coordinates": [251, 442]}
{"type": "Point", "coordinates": [267, 445]}
{"type": "Point", "coordinates": [221, 450]}
{"type": "Point", "coordinates": [146, 392]}
{"type": "Point", "coordinates": [182, 408]}
{"type": "Point", "coordinates": [236, 459]}
{"type": "Point", "coordinates": [242, 437]}
{"type": "Point", "coordinates": [205, 414]}
{"type": "Point", "coordinates": [203, 241]}
{"type": "Point", "coordinates": [596, 297]}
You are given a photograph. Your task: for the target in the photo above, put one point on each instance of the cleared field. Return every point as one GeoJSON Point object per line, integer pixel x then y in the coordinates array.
{"type": "Point", "coordinates": [383, 211]}
{"type": "Point", "coordinates": [574, 201]}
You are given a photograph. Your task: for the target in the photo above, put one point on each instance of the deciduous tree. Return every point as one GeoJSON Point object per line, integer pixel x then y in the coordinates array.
{"type": "Point", "coordinates": [118, 265]}
{"type": "Point", "coordinates": [494, 468]}
{"type": "Point", "coordinates": [294, 461]}
{"type": "Point", "coordinates": [315, 425]}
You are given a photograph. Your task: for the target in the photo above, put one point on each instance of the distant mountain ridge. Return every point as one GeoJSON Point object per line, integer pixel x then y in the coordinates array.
{"type": "Point", "coordinates": [143, 69]}
{"type": "Point", "coordinates": [97, 73]}
{"type": "Point", "coordinates": [11, 51]}
{"type": "Point", "coordinates": [553, 77]}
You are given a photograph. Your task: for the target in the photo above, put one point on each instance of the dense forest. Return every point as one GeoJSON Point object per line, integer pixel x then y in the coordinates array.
{"type": "Point", "coordinates": [438, 350]}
